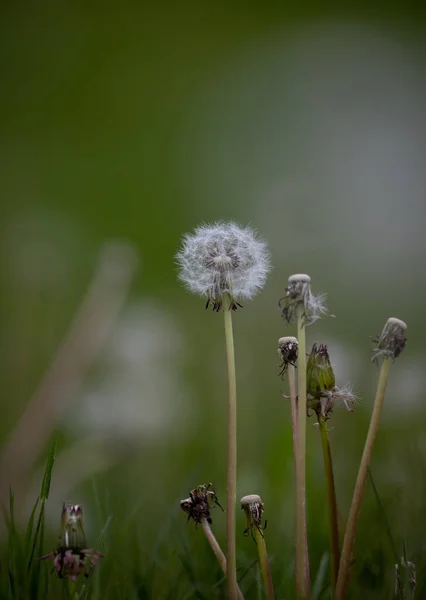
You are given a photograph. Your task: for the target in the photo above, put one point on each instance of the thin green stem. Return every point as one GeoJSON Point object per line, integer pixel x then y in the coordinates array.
{"type": "Point", "coordinates": [264, 563]}
{"type": "Point", "coordinates": [348, 542]}
{"type": "Point", "coordinates": [217, 550]}
{"type": "Point", "coordinates": [231, 497]}
{"type": "Point", "coordinates": [291, 371]}
{"type": "Point", "coordinates": [302, 584]}
{"type": "Point", "coordinates": [331, 502]}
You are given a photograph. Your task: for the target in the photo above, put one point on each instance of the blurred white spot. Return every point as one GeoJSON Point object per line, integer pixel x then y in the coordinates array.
{"type": "Point", "coordinates": [139, 389]}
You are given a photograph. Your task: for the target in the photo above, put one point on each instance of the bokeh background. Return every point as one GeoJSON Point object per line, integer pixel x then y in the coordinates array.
{"type": "Point", "coordinates": [123, 126]}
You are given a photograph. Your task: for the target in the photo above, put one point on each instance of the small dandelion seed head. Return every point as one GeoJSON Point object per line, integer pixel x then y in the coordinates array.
{"type": "Point", "coordinates": [391, 342]}
{"type": "Point", "coordinates": [288, 348]}
{"type": "Point", "coordinates": [223, 258]}
{"type": "Point", "coordinates": [298, 293]}
{"type": "Point", "coordinates": [253, 508]}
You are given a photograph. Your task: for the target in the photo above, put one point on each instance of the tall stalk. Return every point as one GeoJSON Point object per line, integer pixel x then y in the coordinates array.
{"type": "Point", "coordinates": [217, 550]}
{"type": "Point", "coordinates": [231, 496]}
{"type": "Point", "coordinates": [291, 371]}
{"type": "Point", "coordinates": [345, 560]}
{"type": "Point", "coordinates": [331, 502]}
{"type": "Point", "coordinates": [264, 564]}
{"type": "Point", "coordinates": [301, 538]}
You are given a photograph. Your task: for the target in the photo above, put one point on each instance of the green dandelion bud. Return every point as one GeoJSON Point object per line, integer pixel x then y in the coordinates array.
{"type": "Point", "coordinates": [319, 372]}
{"type": "Point", "coordinates": [321, 384]}
{"type": "Point", "coordinates": [72, 528]}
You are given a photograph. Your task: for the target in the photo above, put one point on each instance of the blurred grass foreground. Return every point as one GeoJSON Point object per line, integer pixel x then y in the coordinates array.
{"type": "Point", "coordinates": [122, 128]}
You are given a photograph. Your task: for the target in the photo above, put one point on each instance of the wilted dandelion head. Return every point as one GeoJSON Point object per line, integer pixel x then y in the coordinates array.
{"type": "Point", "coordinates": [223, 258]}
{"type": "Point", "coordinates": [199, 502]}
{"type": "Point", "coordinates": [391, 342]}
{"type": "Point", "coordinates": [253, 507]}
{"type": "Point", "coordinates": [288, 348]}
{"type": "Point", "coordinates": [298, 293]}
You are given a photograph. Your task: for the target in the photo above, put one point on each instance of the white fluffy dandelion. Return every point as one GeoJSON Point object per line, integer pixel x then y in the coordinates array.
{"type": "Point", "coordinates": [223, 258]}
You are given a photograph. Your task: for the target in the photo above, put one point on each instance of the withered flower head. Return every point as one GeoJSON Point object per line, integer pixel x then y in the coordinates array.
{"type": "Point", "coordinates": [198, 504]}
{"type": "Point", "coordinates": [391, 342]}
{"type": "Point", "coordinates": [298, 293]}
{"type": "Point", "coordinates": [287, 350]}
{"type": "Point", "coordinates": [223, 258]}
{"type": "Point", "coordinates": [253, 508]}
{"type": "Point", "coordinates": [72, 557]}
{"type": "Point", "coordinates": [321, 384]}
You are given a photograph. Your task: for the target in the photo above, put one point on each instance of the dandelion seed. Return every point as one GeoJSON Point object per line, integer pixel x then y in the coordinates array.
{"type": "Point", "coordinates": [223, 258]}
{"type": "Point", "coordinates": [391, 342]}
{"type": "Point", "coordinates": [299, 293]}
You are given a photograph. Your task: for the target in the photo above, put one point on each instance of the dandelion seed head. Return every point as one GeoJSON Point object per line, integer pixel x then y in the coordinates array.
{"type": "Point", "coordinates": [222, 258]}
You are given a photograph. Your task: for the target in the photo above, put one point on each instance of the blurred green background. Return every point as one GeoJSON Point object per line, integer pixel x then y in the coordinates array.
{"type": "Point", "coordinates": [133, 123]}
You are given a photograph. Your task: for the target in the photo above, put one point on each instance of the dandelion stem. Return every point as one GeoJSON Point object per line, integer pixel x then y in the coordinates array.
{"type": "Point", "coordinates": [348, 542]}
{"type": "Point", "coordinates": [217, 550]}
{"type": "Point", "coordinates": [332, 503]}
{"type": "Point", "coordinates": [293, 399]}
{"type": "Point", "coordinates": [264, 563]}
{"type": "Point", "coordinates": [231, 571]}
{"type": "Point", "coordinates": [291, 372]}
{"type": "Point", "coordinates": [302, 573]}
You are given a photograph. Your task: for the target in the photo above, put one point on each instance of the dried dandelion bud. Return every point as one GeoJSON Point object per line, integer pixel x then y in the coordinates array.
{"type": "Point", "coordinates": [223, 258]}
{"type": "Point", "coordinates": [72, 557]}
{"type": "Point", "coordinates": [197, 506]}
{"type": "Point", "coordinates": [321, 384]}
{"type": "Point", "coordinates": [253, 508]}
{"type": "Point", "coordinates": [391, 341]}
{"type": "Point", "coordinates": [288, 351]}
{"type": "Point", "coordinates": [299, 294]}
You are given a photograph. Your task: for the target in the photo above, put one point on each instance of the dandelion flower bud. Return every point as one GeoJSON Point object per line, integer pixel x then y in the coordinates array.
{"type": "Point", "coordinates": [253, 507]}
{"type": "Point", "coordinates": [299, 293]}
{"type": "Point", "coordinates": [287, 350]}
{"type": "Point", "coordinates": [72, 557]}
{"type": "Point", "coordinates": [321, 384]}
{"type": "Point", "coordinates": [197, 506]}
{"type": "Point", "coordinates": [223, 258]}
{"type": "Point", "coordinates": [391, 341]}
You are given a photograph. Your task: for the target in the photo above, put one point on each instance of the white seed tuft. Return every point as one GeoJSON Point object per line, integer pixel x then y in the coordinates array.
{"type": "Point", "coordinates": [223, 258]}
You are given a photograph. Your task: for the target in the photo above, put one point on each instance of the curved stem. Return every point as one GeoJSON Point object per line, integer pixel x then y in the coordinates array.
{"type": "Point", "coordinates": [331, 502]}
{"type": "Point", "coordinates": [231, 497]}
{"type": "Point", "coordinates": [348, 542]}
{"type": "Point", "coordinates": [217, 550]}
{"type": "Point", "coordinates": [302, 573]}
